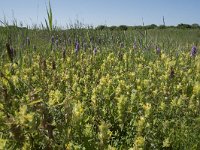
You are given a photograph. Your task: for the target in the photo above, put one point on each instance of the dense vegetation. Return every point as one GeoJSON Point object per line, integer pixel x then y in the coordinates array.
{"type": "Point", "coordinates": [99, 89]}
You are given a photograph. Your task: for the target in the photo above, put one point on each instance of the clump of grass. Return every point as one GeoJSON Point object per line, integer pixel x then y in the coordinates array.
{"type": "Point", "coordinates": [49, 21]}
{"type": "Point", "coordinates": [11, 52]}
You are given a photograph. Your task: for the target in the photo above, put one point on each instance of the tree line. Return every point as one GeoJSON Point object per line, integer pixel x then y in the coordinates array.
{"type": "Point", "coordinates": [152, 26]}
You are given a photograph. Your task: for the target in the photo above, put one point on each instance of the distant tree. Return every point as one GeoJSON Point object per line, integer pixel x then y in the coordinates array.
{"type": "Point", "coordinates": [162, 27]}
{"type": "Point", "coordinates": [123, 27]}
{"type": "Point", "coordinates": [152, 26]}
{"type": "Point", "coordinates": [138, 27]}
{"type": "Point", "coordinates": [183, 26]}
{"type": "Point", "coordinates": [170, 26]}
{"type": "Point", "coordinates": [113, 28]}
{"type": "Point", "coordinates": [195, 25]}
{"type": "Point", "coordinates": [101, 27]}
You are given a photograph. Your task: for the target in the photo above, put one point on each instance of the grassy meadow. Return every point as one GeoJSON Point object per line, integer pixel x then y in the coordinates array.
{"type": "Point", "coordinates": [84, 88]}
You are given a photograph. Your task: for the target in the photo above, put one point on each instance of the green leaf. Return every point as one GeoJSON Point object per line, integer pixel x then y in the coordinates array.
{"type": "Point", "coordinates": [35, 102]}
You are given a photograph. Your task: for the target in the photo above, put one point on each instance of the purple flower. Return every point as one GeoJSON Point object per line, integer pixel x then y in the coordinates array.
{"type": "Point", "coordinates": [193, 51]}
{"type": "Point", "coordinates": [52, 40]}
{"type": "Point", "coordinates": [95, 51]}
{"type": "Point", "coordinates": [158, 50]}
{"type": "Point", "coordinates": [134, 45]}
{"type": "Point", "coordinates": [77, 47]}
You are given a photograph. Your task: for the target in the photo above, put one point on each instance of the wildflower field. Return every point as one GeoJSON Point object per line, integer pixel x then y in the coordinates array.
{"type": "Point", "coordinates": [99, 89]}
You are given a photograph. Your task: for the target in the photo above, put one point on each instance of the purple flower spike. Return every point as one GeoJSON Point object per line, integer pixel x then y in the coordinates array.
{"type": "Point", "coordinates": [95, 51]}
{"type": "Point", "coordinates": [52, 40]}
{"type": "Point", "coordinates": [77, 47]}
{"type": "Point", "coordinates": [193, 51]}
{"type": "Point", "coordinates": [158, 50]}
{"type": "Point", "coordinates": [134, 45]}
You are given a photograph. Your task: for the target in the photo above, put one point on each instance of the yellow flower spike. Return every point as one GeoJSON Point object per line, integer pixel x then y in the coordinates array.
{"type": "Point", "coordinates": [196, 88]}
{"type": "Point", "coordinates": [139, 142]}
{"type": "Point", "coordinates": [166, 143]}
{"type": "Point", "coordinates": [78, 110]}
{"type": "Point", "coordinates": [139, 88]}
{"type": "Point", "coordinates": [146, 83]}
{"type": "Point", "coordinates": [189, 71]}
{"type": "Point", "coordinates": [147, 106]}
{"type": "Point", "coordinates": [88, 130]}
{"type": "Point", "coordinates": [140, 124]}
{"type": "Point", "coordinates": [103, 80]}
{"type": "Point", "coordinates": [122, 106]}
{"type": "Point", "coordinates": [15, 79]}
{"type": "Point", "coordinates": [140, 66]}
{"type": "Point", "coordinates": [23, 116]}
{"type": "Point", "coordinates": [163, 56]}
{"type": "Point", "coordinates": [162, 106]}
{"type": "Point", "coordinates": [137, 81]}
{"type": "Point", "coordinates": [26, 146]}
{"type": "Point", "coordinates": [179, 86]}
{"type": "Point", "coordinates": [179, 102]}
{"type": "Point", "coordinates": [111, 148]}
{"type": "Point", "coordinates": [104, 132]}
{"type": "Point", "coordinates": [54, 97]}
{"type": "Point", "coordinates": [174, 103]}
{"type": "Point", "coordinates": [2, 143]}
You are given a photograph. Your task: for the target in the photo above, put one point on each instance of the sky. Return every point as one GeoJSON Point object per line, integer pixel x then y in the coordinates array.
{"type": "Point", "coordinates": [102, 12]}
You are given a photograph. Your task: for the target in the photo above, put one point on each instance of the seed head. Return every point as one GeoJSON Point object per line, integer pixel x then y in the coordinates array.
{"type": "Point", "coordinates": [34, 48]}
{"type": "Point", "coordinates": [121, 45]}
{"type": "Point", "coordinates": [64, 54]}
{"type": "Point", "coordinates": [53, 65]}
{"type": "Point", "coordinates": [28, 42]}
{"type": "Point", "coordinates": [172, 73]}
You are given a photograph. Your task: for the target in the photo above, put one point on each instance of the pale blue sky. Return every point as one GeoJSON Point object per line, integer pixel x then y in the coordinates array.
{"type": "Point", "coordinates": [110, 12]}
